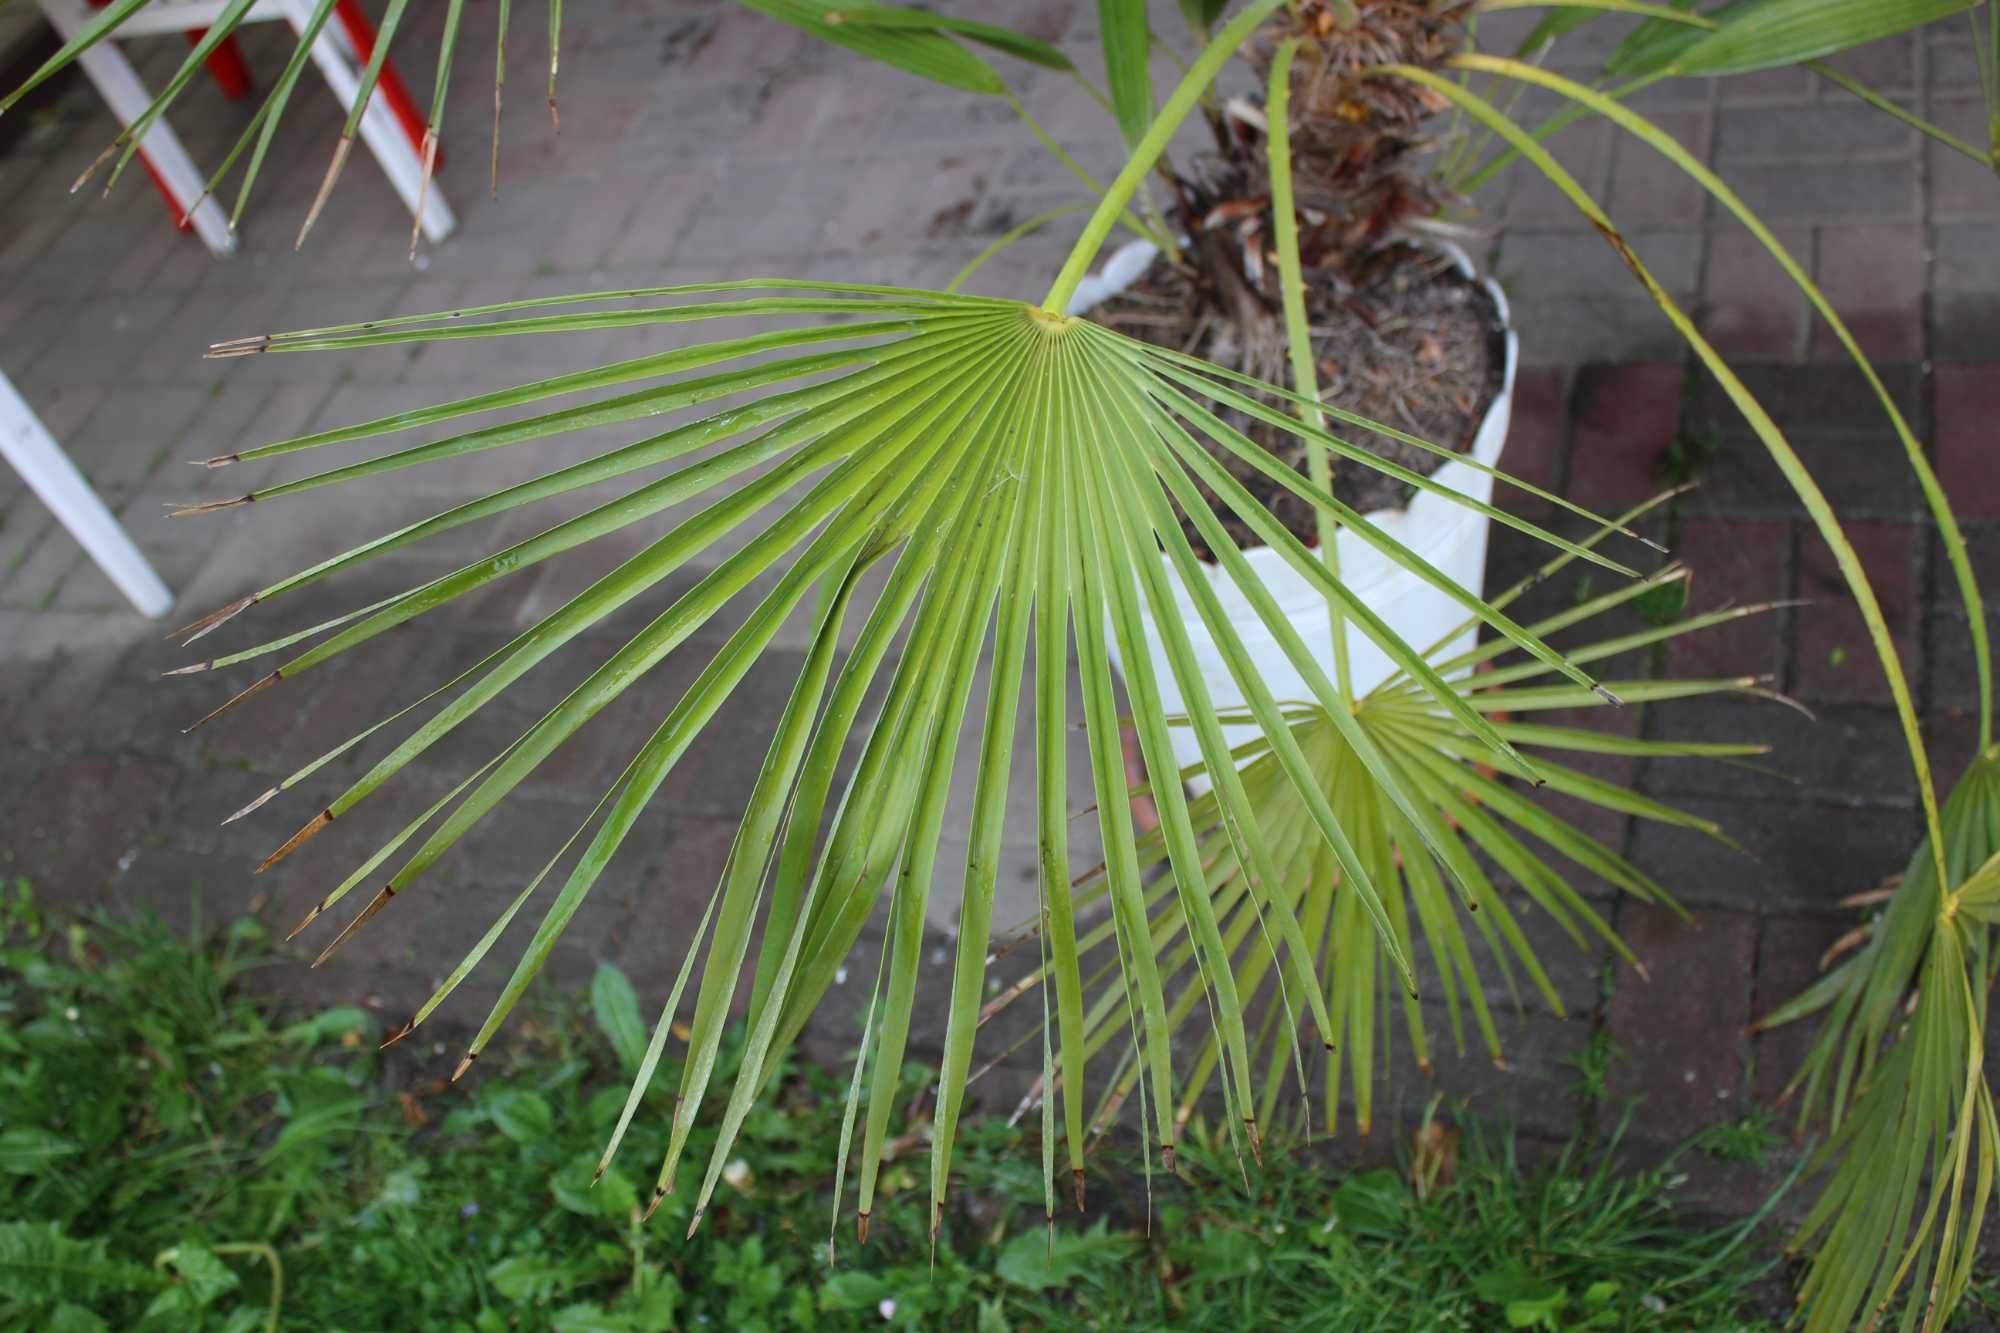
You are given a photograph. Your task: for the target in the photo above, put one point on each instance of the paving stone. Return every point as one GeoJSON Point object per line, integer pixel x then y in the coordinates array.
{"type": "Point", "coordinates": [1575, 330]}
{"type": "Point", "coordinates": [1734, 563]}
{"type": "Point", "coordinates": [1750, 310]}
{"type": "Point", "coordinates": [1532, 200]}
{"type": "Point", "coordinates": [1580, 264]}
{"type": "Point", "coordinates": [1529, 1091]}
{"type": "Point", "coordinates": [1845, 129]}
{"type": "Point", "coordinates": [1787, 88]}
{"type": "Point", "coordinates": [1534, 441]}
{"type": "Point", "coordinates": [1962, 188]}
{"type": "Point", "coordinates": [1789, 953]}
{"type": "Point", "coordinates": [1797, 855]}
{"type": "Point", "coordinates": [1888, 67]}
{"type": "Point", "coordinates": [1849, 754]}
{"type": "Point", "coordinates": [1624, 417]}
{"type": "Point", "coordinates": [1647, 188]}
{"type": "Point", "coordinates": [1835, 654]}
{"type": "Point", "coordinates": [1873, 276]}
{"type": "Point", "coordinates": [1966, 323]}
{"type": "Point", "coordinates": [101, 338]}
{"type": "Point", "coordinates": [24, 525]}
{"type": "Point", "coordinates": [650, 230]}
{"type": "Point", "coordinates": [1832, 420]}
{"type": "Point", "coordinates": [1954, 684]}
{"type": "Point", "coordinates": [757, 215]}
{"type": "Point", "coordinates": [79, 816]}
{"type": "Point", "coordinates": [1952, 62]}
{"type": "Point", "coordinates": [1807, 191]}
{"type": "Point", "coordinates": [1966, 279]}
{"type": "Point", "coordinates": [1951, 738]}
{"type": "Point", "coordinates": [1682, 1032]}
{"type": "Point", "coordinates": [1968, 404]}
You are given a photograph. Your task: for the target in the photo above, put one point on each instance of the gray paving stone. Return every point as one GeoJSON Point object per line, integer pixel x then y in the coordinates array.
{"type": "Point", "coordinates": [1839, 130]}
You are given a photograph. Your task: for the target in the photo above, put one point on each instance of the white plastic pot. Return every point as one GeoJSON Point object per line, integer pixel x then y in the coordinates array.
{"type": "Point", "coordinates": [1443, 532]}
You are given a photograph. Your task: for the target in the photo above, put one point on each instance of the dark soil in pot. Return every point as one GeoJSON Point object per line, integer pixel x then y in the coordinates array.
{"type": "Point", "coordinates": [1414, 344]}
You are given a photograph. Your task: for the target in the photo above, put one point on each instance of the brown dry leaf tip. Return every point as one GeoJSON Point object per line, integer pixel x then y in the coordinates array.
{"type": "Point", "coordinates": [1076, 1183]}
{"type": "Point", "coordinates": [495, 186]}
{"type": "Point", "coordinates": [555, 115]}
{"type": "Point", "coordinates": [375, 904]}
{"type": "Point", "coordinates": [1167, 1156]}
{"type": "Point", "coordinates": [464, 1065]}
{"type": "Point", "coordinates": [214, 620]}
{"type": "Point", "coordinates": [207, 506]}
{"type": "Point", "coordinates": [1256, 1139]}
{"type": "Point", "coordinates": [263, 684]}
{"type": "Point", "coordinates": [423, 189]}
{"type": "Point", "coordinates": [241, 347]}
{"type": "Point", "coordinates": [1852, 939]}
{"type": "Point", "coordinates": [307, 920]}
{"type": "Point", "coordinates": [268, 794]}
{"type": "Point", "coordinates": [97, 162]}
{"type": "Point", "coordinates": [292, 844]}
{"type": "Point", "coordinates": [398, 1035]}
{"type": "Point", "coordinates": [1881, 893]}
{"type": "Point", "coordinates": [861, 1228]}
{"type": "Point", "coordinates": [197, 668]}
{"type": "Point", "coordinates": [187, 218]}
{"type": "Point", "coordinates": [659, 1193]}
{"type": "Point", "coordinates": [694, 1224]}
{"type": "Point", "coordinates": [1606, 695]}
{"type": "Point", "coordinates": [333, 168]}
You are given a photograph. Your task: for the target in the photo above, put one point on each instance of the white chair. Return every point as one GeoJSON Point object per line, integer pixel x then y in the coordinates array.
{"type": "Point", "coordinates": [27, 444]}
{"type": "Point", "coordinates": [339, 52]}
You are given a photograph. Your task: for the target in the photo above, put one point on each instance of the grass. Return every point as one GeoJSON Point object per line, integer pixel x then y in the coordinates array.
{"type": "Point", "coordinates": [1751, 1138]}
{"type": "Point", "coordinates": [175, 1153]}
{"type": "Point", "coordinates": [1592, 1083]}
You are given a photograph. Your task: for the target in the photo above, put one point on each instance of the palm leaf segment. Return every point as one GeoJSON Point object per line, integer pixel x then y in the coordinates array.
{"type": "Point", "coordinates": [1016, 471]}
{"type": "Point", "coordinates": [1490, 836]}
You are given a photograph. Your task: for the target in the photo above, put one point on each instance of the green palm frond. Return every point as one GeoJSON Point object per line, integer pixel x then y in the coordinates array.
{"type": "Point", "coordinates": [1478, 823]}
{"type": "Point", "coordinates": [1897, 1070]}
{"type": "Point", "coordinates": [1896, 1202]}
{"type": "Point", "coordinates": [1014, 471]}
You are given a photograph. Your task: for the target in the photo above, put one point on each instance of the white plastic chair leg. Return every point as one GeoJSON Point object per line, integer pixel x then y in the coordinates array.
{"type": "Point", "coordinates": [379, 130]}
{"type": "Point", "coordinates": [27, 444]}
{"type": "Point", "coordinates": [118, 84]}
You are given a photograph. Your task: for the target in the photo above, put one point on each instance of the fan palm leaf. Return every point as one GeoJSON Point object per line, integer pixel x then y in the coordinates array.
{"type": "Point", "coordinates": [1468, 814]}
{"type": "Point", "coordinates": [1013, 470]}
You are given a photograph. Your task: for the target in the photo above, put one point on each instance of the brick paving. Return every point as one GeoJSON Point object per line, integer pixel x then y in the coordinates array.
{"type": "Point", "coordinates": [703, 142]}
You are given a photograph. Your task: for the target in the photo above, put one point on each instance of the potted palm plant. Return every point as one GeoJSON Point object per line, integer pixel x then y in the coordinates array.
{"type": "Point", "coordinates": [1018, 472]}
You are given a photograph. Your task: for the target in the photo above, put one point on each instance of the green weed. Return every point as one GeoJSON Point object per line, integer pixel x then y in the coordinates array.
{"type": "Point", "coordinates": [177, 1154]}
{"type": "Point", "coordinates": [1751, 1137]}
